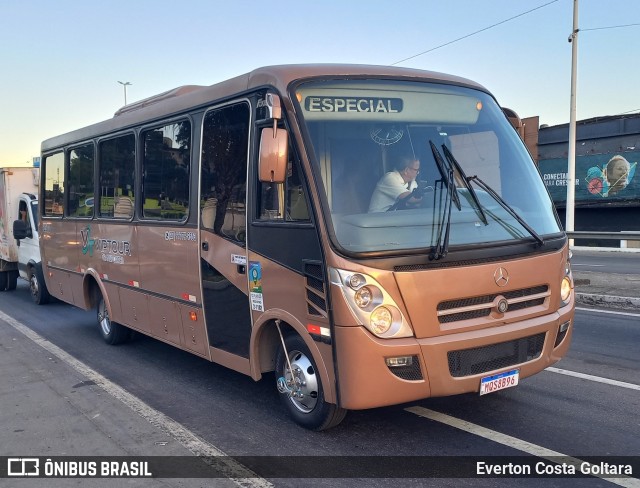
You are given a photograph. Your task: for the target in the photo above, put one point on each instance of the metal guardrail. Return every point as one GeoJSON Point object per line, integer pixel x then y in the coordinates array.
{"type": "Point", "coordinates": [617, 236]}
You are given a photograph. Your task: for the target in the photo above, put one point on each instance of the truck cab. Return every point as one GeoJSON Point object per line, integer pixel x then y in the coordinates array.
{"type": "Point", "coordinates": [25, 231]}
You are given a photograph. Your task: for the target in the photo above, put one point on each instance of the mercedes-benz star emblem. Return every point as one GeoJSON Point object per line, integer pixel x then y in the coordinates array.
{"type": "Point", "coordinates": [501, 276]}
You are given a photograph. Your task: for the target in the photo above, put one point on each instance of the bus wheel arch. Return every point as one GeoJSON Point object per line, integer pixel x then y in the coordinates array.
{"type": "Point", "coordinates": [93, 288]}
{"type": "Point", "coordinates": [307, 395]}
{"type": "Point", "coordinates": [95, 296]}
{"type": "Point", "coordinates": [265, 343]}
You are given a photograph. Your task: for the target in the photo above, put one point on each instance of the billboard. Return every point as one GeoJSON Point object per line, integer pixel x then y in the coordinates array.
{"type": "Point", "coordinates": [600, 178]}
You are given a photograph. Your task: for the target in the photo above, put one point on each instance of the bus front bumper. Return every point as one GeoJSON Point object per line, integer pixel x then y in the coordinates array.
{"type": "Point", "coordinates": [366, 380]}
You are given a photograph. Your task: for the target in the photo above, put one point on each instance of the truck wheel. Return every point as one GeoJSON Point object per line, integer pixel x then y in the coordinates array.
{"type": "Point", "coordinates": [301, 391]}
{"type": "Point", "coordinates": [112, 332]}
{"type": "Point", "coordinates": [12, 280]}
{"type": "Point", "coordinates": [3, 280]}
{"type": "Point", "coordinates": [39, 293]}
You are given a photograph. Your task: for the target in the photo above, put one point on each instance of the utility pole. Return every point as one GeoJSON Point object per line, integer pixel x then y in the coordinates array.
{"type": "Point", "coordinates": [125, 84]}
{"type": "Point", "coordinates": [571, 176]}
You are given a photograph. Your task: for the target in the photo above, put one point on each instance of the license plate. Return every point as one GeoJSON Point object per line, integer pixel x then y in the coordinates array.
{"type": "Point", "coordinates": [489, 384]}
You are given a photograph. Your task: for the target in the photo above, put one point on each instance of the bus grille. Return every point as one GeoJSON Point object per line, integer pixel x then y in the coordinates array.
{"type": "Point", "coordinates": [316, 296]}
{"type": "Point", "coordinates": [477, 307]}
{"type": "Point", "coordinates": [468, 362]}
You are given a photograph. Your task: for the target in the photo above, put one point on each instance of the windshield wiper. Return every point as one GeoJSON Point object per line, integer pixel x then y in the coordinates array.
{"type": "Point", "coordinates": [454, 162]}
{"type": "Point", "coordinates": [444, 223]}
{"type": "Point", "coordinates": [445, 170]}
{"type": "Point", "coordinates": [507, 207]}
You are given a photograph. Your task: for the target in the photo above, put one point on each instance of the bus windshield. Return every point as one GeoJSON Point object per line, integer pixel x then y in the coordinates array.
{"type": "Point", "coordinates": [400, 162]}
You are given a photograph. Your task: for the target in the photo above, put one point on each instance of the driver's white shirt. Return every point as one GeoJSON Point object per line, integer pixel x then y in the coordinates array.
{"type": "Point", "coordinates": [387, 191]}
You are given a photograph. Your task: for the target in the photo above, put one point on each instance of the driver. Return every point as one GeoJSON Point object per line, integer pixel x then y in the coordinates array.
{"type": "Point", "coordinates": [396, 185]}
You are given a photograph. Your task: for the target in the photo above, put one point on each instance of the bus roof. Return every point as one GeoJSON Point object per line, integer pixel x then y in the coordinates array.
{"type": "Point", "coordinates": [182, 99]}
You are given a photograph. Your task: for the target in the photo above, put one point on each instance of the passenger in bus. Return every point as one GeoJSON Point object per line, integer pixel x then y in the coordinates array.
{"type": "Point", "coordinates": [396, 185]}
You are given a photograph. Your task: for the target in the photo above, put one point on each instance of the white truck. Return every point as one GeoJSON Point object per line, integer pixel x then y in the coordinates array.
{"type": "Point", "coordinates": [19, 240]}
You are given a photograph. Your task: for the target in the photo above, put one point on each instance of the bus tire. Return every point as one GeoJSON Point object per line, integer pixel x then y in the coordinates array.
{"type": "Point", "coordinates": [112, 332]}
{"type": "Point", "coordinates": [3, 280]}
{"type": "Point", "coordinates": [37, 287]}
{"type": "Point", "coordinates": [305, 400]}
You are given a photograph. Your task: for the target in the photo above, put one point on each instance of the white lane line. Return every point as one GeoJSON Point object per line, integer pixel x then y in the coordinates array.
{"type": "Point", "coordinates": [597, 379]}
{"type": "Point", "coordinates": [232, 469]}
{"type": "Point", "coordinates": [598, 310]}
{"type": "Point", "coordinates": [515, 443]}
{"type": "Point", "coordinates": [590, 265]}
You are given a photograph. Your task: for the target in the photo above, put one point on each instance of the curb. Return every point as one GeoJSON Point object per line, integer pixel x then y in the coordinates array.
{"type": "Point", "coordinates": [608, 301]}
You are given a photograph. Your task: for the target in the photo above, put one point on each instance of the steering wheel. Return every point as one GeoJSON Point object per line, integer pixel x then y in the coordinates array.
{"type": "Point", "coordinates": [402, 203]}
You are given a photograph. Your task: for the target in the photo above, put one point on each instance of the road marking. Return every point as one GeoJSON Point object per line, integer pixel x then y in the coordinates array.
{"type": "Point", "coordinates": [591, 265]}
{"type": "Point", "coordinates": [597, 310]}
{"type": "Point", "coordinates": [597, 379]}
{"type": "Point", "coordinates": [515, 443]}
{"type": "Point", "coordinates": [232, 469]}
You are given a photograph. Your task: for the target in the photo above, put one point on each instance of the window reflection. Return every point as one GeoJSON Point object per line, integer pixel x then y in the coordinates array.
{"type": "Point", "coordinates": [54, 185]}
{"type": "Point", "coordinates": [167, 154]}
{"type": "Point", "coordinates": [117, 169]}
{"type": "Point", "coordinates": [284, 201]}
{"type": "Point", "coordinates": [81, 160]}
{"type": "Point", "coordinates": [225, 141]}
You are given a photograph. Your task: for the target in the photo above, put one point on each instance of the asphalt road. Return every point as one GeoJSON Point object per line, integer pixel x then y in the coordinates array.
{"type": "Point", "coordinates": [569, 415]}
{"type": "Point", "coordinates": [608, 262]}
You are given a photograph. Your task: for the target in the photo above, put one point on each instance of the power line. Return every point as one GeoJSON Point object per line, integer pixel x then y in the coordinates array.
{"type": "Point", "coordinates": [630, 111]}
{"type": "Point", "coordinates": [610, 27]}
{"type": "Point", "coordinates": [474, 33]}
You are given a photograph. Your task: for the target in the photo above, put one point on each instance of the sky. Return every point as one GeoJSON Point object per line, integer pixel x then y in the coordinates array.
{"type": "Point", "coordinates": [60, 61]}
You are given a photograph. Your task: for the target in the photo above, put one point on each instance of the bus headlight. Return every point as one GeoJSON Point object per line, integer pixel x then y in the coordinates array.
{"type": "Point", "coordinates": [370, 304]}
{"type": "Point", "coordinates": [565, 290]}
{"type": "Point", "coordinates": [567, 284]}
{"type": "Point", "coordinates": [356, 281]}
{"type": "Point", "coordinates": [381, 320]}
{"type": "Point", "coordinates": [363, 297]}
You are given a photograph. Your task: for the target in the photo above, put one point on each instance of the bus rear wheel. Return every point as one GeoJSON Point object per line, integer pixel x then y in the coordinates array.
{"type": "Point", "coordinates": [112, 332]}
{"type": "Point", "coordinates": [300, 387]}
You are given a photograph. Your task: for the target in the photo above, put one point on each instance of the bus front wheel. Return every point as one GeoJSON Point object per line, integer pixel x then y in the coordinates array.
{"type": "Point", "coordinates": [300, 387]}
{"type": "Point", "coordinates": [112, 332]}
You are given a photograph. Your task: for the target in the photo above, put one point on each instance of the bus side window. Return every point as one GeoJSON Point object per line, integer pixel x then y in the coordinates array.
{"type": "Point", "coordinates": [81, 164]}
{"type": "Point", "coordinates": [165, 180]}
{"type": "Point", "coordinates": [53, 167]}
{"type": "Point", "coordinates": [284, 201]}
{"type": "Point", "coordinates": [117, 168]}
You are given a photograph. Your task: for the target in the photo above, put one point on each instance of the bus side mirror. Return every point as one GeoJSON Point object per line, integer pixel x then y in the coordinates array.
{"type": "Point", "coordinates": [21, 229]}
{"type": "Point", "coordinates": [273, 158]}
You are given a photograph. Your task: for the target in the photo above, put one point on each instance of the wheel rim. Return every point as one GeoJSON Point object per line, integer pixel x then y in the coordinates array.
{"type": "Point", "coordinates": [303, 383]}
{"type": "Point", "coordinates": [103, 318]}
{"type": "Point", "coordinates": [34, 286]}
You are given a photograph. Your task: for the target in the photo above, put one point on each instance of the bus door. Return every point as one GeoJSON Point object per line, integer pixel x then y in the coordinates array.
{"type": "Point", "coordinates": [223, 252]}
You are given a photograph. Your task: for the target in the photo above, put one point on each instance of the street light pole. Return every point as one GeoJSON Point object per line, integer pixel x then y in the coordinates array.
{"type": "Point", "coordinates": [571, 175]}
{"type": "Point", "coordinates": [125, 84]}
